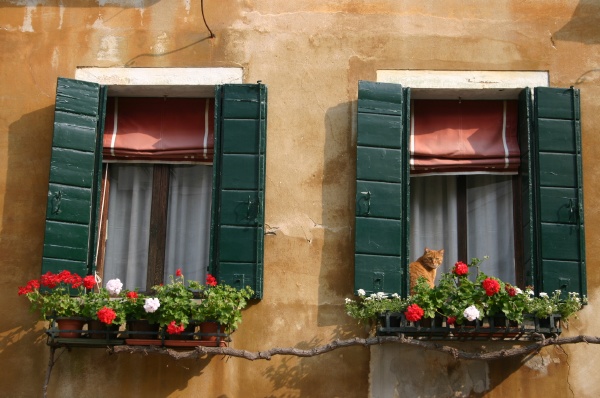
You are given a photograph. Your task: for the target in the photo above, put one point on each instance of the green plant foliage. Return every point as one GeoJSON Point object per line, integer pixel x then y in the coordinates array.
{"type": "Point", "coordinates": [223, 304]}
{"type": "Point", "coordinates": [458, 290]}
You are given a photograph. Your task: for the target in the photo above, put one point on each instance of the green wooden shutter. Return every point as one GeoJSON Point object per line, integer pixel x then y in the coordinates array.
{"type": "Point", "coordinates": [382, 189]}
{"type": "Point", "coordinates": [558, 215]}
{"type": "Point", "coordinates": [237, 226]}
{"type": "Point", "coordinates": [526, 176]}
{"type": "Point", "coordinates": [71, 212]}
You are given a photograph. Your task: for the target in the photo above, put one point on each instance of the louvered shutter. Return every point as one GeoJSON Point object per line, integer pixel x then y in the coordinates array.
{"type": "Point", "coordinates": [382, 189]}
{"type": "Point", "coordinates": [237, 226]}
{"type": "Point", "coordinates": [558, 216]}
{"type": "Point", "coordinates": [71, 213]}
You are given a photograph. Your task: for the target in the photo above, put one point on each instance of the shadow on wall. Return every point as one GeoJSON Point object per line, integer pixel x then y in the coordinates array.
{"type": "Point", "coordinates": [321, 375]}
{"type": "Point", "coordinates": [336, 280]}
{"type": "Point", "coordinates": [584, 26]}
{"type": "Point", "coordinates": [24, 212]}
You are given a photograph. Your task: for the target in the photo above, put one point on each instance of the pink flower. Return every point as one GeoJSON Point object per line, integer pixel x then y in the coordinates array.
{"type": "Point", "coordinates": [172, 328]}
{"type": "Point", "coordinates": [106, 315]}
{"type": "Point", "coordinates": [491, 286]}
{"type": "Point", "coordinates": [211, 280]}
{"type": "Point", "coordinates": [178, 272]}
{"type": "Point", "coordinates": [460, 269]}
{"type": "Point", "coordinates": [413, 313]}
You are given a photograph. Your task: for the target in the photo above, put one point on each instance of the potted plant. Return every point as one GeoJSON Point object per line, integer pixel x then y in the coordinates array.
{"type": "Point", "coordinates": [463, 301]}
{"type": "Point", "coordinates": [56, 297]}
{"type": "Point", "coordinates": [175, 305]}
{"type": "Point", "coordinates": [104, 310]}
{"type": "Point", "coordinates": [220, 308]}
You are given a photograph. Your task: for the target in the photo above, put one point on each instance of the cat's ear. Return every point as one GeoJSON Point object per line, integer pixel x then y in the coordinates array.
{"type": "Point", "coordinates": [427, 250]}
{"type": "Point", "coordinates": [442, 251]}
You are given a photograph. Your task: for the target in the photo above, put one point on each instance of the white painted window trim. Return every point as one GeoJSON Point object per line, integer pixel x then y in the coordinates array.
{"type": "Point", "coordinates": [443, 84]}
{"type": "Point", "coordinates": [158, 82]}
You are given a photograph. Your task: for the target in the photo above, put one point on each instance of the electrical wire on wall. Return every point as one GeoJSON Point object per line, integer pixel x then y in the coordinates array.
{"type": "Point", "coordinates": [212, 35]}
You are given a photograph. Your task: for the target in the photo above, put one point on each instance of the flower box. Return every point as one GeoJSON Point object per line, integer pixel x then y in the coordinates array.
{"type": "Point", "coordinates": [102, 336]}
{"type": "Point", "coordinates": [488, 328]}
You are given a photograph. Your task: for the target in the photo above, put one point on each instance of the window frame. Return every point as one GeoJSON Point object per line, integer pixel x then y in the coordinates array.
{"type": "Point", "coordinates": [86, 100]}
{"type": "Point", "coordinates": [388, 271]}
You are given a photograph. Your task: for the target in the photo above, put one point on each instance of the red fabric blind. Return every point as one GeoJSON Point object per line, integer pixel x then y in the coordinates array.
{"type": "Point", "coordinates": [159, 129]}
{"type": "Point", "coordinates": [462, 137]}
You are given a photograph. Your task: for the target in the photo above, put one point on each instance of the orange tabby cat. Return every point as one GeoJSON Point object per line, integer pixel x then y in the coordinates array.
{"type": "Point", "coordinates": [426, 266]}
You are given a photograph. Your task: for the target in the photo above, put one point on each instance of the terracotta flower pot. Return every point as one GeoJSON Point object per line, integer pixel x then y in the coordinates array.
{"type": "Point", "coordinates": [70, 327]}
{"type": "Point", "coordinates": [212, 331]}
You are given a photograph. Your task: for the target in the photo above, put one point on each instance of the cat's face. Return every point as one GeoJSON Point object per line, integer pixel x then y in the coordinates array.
{"type": "Point", "coordinates": [433, 258]}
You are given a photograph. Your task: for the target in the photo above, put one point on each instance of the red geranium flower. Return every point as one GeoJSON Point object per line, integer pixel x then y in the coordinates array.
{"type": "Point", "coordinates": [89, 282]}
{"type": "Point", "coordinates": [172, 328]}
{"type": "Point", "coordinates": [24, 290]}
{"type": "Point", "coordinates": [460, 269]}
{"type": "Point", "coordinates": [49, 280]}
{"type": "Point", "coordinates": [491, 286]}
{"type": "Point", "coordinates": [178, 272]}
{"type": "Point", "coordinates": [32, 285]}
{"type": "Point", "coordinates": [106, 315]}
{"type": "Point", "coordinates": [451, 320]}
{"type": "Point", "coordinates": [132, 296]}
{"type": "Point", "coordinates": [211, 280]}
{"type": "Point", "coordinates": [510, 290]}
{"type": "Point", "coordinates": [413, 313]}
{"type": "Point", "coordinates": [75, 281]}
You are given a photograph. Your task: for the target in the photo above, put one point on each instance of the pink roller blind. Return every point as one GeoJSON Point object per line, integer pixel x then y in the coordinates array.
{"type": "Point", "coordinates": [159, 129]}
{"type": "Point", "coordinates": [462, 137]}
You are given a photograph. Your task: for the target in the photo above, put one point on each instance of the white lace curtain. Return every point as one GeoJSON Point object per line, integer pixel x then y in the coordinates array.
{"type": "Point", "coordinates": [188, 220]}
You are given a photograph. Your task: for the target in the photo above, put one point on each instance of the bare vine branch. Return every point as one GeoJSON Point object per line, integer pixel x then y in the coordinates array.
{"type": "Point", "coordinates": [199, 352]}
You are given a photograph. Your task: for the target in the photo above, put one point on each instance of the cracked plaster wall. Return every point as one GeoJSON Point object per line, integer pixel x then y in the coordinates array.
{"type": "Point", "coordinates": [311, 55]}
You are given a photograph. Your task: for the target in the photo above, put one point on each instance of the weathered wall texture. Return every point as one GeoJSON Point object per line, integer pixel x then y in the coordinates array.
{"type": "Point", "coordinates": [311, 55]}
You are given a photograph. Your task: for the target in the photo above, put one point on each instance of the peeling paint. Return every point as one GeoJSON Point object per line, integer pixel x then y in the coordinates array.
{"type": "Point", "coordinates": [61, 15]}
{"type": "Point", "coordinates": [55, 57]}
{"type": "Point", "coordinates": [109, 49]}
{"type": "Point", "coordinates": [27, 26]}
{"type": "Point", "coordinates": [161, 45]}
{"type": "Point", "coordinates": [539, 364]}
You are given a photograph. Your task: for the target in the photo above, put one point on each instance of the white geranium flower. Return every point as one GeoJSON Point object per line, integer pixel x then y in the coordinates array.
{"type": "Point", "coordinates": [544, 295]}
{"type": "Point", "coordinates": [519, 291]}
{"type": "Point", "coordinates": [395, 295]}
{"type": "Point", "coordinates": [348, 301]}
{"type": "Point", "coordinates": [114, 286]}
{"type": "Point", "coordinates": [361, 292]}
{"type": "Point", "coordinates": [471, 313]}
{"type": "Point", "coordinates": [151, 304]}
{"type": "Point", "coordinates": [381, 295]}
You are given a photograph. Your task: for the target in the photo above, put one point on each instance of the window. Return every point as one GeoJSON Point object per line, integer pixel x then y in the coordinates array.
{"type": "Point", "coordinates": [463, 155]}
{"type": "Point", "coordinates": [237, 194]}
{"type": "Point", "coordinates": [550, 205]}
{"type": "Point", "coordinates": [159, 179]}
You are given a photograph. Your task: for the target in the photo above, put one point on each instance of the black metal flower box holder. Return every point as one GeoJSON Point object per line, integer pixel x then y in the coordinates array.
{"type": "Point", "coordinates": [489, 328]}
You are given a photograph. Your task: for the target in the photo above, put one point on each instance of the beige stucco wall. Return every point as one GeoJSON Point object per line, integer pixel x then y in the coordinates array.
{"type": "Point", "coordinates": [311, 55]}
